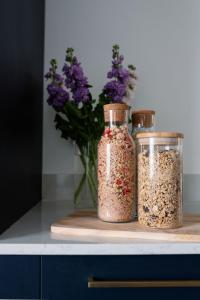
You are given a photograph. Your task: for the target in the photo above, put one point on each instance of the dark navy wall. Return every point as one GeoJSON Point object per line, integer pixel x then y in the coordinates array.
{"type": "Point", "coordinates": [21, 69]}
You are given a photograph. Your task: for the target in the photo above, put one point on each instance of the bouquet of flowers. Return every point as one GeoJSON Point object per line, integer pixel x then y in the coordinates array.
{"type": "Point", "coordinates": [79, 117]}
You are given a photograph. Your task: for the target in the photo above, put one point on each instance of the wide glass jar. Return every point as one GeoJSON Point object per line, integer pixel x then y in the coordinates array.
{"type": "Point", "coordinates": [143, 120]}
{"type": "Point", "coordinates": [116, 167]}
{"type": "Point", "coordinates": [159, 165]}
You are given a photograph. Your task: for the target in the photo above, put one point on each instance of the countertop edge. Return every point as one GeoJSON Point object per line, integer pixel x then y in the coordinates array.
{"type": "Point", "coordinates": [101, 249]}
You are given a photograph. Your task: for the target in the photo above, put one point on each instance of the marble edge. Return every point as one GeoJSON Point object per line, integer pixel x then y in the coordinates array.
{"type": "Point", "coordinates": [102, 249]}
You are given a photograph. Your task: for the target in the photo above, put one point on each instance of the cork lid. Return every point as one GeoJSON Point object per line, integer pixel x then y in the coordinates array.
{"type": "Point", "coordinates": [116, 106]}
{"type": "Point", "coordinates": [143, 118]}
{"type": "Point", "coordinates": [144, 111]}
{"type": "Point", "coordinates": [159, 134]}
{"type": "Point", "coordinates": [117, 112]}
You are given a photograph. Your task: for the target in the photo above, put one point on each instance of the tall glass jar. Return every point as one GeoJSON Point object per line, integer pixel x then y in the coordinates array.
{"type": "Point", "coordinates": [116, 167]}
{"type": "Point", "coordinates": [159, 164]}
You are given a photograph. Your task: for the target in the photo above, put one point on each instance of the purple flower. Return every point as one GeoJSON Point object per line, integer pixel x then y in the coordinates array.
{"type": "Point", "coordinates": [113, 73]}
{"type": "Point", "coordinates": [119, 73]}
{"type": "Point", "coordinates": [115, 91]}
{"type": "Point", "coordinates": [48, 75]}
{"type": "Point", "coordinates": [52, 89]}
{"type": "Point", "coordinates": [69, 81]}
{"type": "Point", "coordinates": [119, 87]}
{"type": "Point", "coordinates": [73, 81]}
{"type": "Point", "coordinates": [78, 73]}
{"type": "Point", "coordinates": [123, 75]}
{"type": "Point", "coordinates": [76, 81]}
{"type": "Point", "coordinates": [58, 78]}
{"type": "Point", "coordinates": [74, 75]}
{"type": "Point", "coordinates": [81, 94]}
{"type": "Point", "coordinates": [57, 96]}
{"type": "Point", "coordinates": [118, 60]}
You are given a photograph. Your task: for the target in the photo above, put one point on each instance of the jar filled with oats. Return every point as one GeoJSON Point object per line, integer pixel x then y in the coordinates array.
{"type": "Point", "coordinates": [116, 167]}
{"type": "Point", "coordinates": [159, 164]}
{"type": "Point", "coordinates": [143, 120]}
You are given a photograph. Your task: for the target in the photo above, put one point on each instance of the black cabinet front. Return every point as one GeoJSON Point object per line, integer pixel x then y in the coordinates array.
{"type": "Point", "coordinates": [21, 61]}
{"type": "Point", "coordinates": [66, 277]}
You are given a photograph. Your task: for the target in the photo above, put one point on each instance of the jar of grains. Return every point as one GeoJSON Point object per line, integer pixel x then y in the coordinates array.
{"type": "Point", "coordinates": [116, 166]}
{"type": "Point", "coordinates": [159, 162]}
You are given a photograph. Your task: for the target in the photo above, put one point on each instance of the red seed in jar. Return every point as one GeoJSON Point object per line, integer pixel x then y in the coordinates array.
{"type": "Point", "coordinates": [118, 182]}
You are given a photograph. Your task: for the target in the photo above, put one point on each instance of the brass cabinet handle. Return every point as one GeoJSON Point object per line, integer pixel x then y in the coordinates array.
{"type": "Point", "coordinates": [92, 283]}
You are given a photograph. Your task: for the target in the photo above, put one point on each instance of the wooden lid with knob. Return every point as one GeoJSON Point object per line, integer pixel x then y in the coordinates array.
{"type": "Point", "coordinates": [115, 111]}
{"type": "Point", "coordinates": [143, 118]}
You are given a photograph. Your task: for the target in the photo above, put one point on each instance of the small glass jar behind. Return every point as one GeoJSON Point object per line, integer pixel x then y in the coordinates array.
{"type": "Point", "coordinates": [116, 167]}
{"type": "Point", "coordinates": [160, 168]}
{"type": "Point", "coordinates": [143, 120]}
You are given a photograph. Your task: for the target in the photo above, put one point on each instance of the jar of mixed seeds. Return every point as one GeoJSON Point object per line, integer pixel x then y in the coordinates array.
{"type": "Point", "coordinates": [116, 167]}
{"type": "Point", "coordinates": [159, 165]}
{"type": "Point", "coordinates": [143, 120]}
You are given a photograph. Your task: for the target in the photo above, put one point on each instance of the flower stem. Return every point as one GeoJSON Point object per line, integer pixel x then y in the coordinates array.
{"type": "Point", "coordinates": [79, 188]}
{"type": "Point", "coordinates": [88, 158]}
{"type": "Point", "coordinates": [92, 188]}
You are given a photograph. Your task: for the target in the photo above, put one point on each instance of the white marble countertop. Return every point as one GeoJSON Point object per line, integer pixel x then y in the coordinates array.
{"type": "Point", "coordinates": [31, 235]}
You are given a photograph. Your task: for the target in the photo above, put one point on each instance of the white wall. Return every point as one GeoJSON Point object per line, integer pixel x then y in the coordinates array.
{"type": "Point", "coordinates": [161, 37]}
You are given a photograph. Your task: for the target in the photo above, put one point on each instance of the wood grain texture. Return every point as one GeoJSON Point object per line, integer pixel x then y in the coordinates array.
{"type": "Point", "coordinates": [86, 223]}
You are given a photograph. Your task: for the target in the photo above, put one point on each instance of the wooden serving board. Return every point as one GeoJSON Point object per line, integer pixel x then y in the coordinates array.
{"type": "Point", "coordinates": [86, 223]}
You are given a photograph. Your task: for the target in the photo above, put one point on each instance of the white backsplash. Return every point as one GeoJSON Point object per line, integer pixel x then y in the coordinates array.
{"type": "Point", "coordinates": [61, 187]}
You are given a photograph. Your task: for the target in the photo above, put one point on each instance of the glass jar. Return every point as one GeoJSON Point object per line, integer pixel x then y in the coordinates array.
{"type": "Point", "coordinates": [143, 120]}
{"type": "Point", "coordinates": [116, 167]}
{"type": "Point", "coordinates": [159, 165]}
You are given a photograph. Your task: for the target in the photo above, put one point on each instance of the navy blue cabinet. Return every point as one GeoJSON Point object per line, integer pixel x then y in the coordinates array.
{"type": "Point", "coordinates": [20, 277]}
{"type": "Point", "coordinates": [66, 277]}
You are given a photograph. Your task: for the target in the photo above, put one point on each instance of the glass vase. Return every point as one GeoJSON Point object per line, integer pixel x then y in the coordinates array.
{"type": "Point", "coordinates": [85, 194]}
